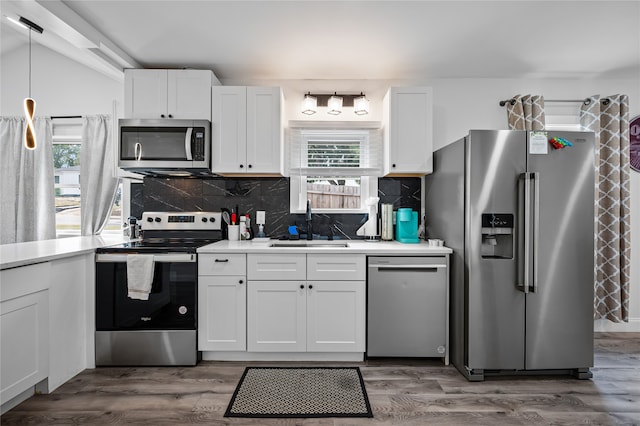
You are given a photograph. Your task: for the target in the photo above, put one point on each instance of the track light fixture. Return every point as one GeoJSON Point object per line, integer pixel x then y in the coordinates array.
{"type": "Point", "coordinates": [335, 103]}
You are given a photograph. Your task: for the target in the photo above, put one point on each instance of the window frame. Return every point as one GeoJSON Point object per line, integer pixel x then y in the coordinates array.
{"type": "Point", "coordinates": [298, 182]}
{"type": "Point", "coordinates": [69, 132]}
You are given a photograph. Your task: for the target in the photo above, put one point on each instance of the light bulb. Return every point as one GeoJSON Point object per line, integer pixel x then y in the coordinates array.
{"type": "Point", "coordinates": [361, 105]}
{"type": "Point", "coordinates": [334, 105]}
{"type": "Point", "coordinates": [29, 130]}
{"type": "Point", "coordinates": [309, 104]}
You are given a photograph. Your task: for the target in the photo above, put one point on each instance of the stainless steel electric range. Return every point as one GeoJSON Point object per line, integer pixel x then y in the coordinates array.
{"type": "Point", "coordinates": [162, 329]}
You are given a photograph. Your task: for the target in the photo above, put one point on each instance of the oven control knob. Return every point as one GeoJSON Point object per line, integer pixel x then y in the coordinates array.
{"type": "Point", "coordinates": [212, 219]}
{"type": "Point", "coordinates": [149, 219]}
{"type": "Point", "coordinates": [157, 219]}
{"type": "Point", "coordinates": [182, 310]}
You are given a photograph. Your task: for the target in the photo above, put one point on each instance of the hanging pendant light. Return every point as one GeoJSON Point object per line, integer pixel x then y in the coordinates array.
{"type": "Point", "coordinates": [29, 102]}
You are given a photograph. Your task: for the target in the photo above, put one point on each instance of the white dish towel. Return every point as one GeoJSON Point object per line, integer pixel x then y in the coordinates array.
{"type": "Point", "coordinates": [139, 275]}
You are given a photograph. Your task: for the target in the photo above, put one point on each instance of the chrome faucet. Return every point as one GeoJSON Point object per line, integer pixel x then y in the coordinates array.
{"type": "Point", "coordinates": [308, 218]}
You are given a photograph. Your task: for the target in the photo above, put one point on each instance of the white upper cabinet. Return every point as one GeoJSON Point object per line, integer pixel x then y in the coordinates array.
{"type": "Point", "coordinates": [408, 131]}
{"type": "Point", "coordinates": [247, 130]}
{"type": "Point", "coordinates": [162, 93]}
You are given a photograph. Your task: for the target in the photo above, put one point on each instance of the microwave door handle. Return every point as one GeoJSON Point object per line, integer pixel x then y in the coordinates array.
{"type": "Point", "coordinates": [137, 151]}
{"type": "Point", "coordinates": [187, 143]}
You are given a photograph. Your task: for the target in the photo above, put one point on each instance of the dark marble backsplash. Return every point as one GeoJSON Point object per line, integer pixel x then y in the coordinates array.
{"type": "Point", "coordinates": [253, 194]}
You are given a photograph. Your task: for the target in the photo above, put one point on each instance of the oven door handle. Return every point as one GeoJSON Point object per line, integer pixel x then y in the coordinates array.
{"type": "Point", "coordinates": [157, 257]}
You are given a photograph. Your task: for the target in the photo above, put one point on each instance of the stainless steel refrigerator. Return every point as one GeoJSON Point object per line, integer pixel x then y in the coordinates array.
{"type": "Point", "coordinates": [519, 216]}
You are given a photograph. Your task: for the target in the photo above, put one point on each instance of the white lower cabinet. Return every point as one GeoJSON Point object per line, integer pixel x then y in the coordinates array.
{"type": "Point", "coordinates": [24, 329]}
{"type": "Point", "coordinates": [300, 315]}
{"type": "Point", "coordinates": [276, 316]}
{"type": "Point", "coordinates": [222, 313]}
{"type": "Point", "coordinates": [335, 316]}
{"type": "Point", "coordinates": [222, 302]}
{"type": "Point", "coordinates": [71, 318]}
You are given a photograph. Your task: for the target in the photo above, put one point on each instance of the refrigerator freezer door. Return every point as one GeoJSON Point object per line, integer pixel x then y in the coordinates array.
{"type": "Point", "coordinates": [559, 307]}
{"type": "Point", "coordinates": [495, 329]}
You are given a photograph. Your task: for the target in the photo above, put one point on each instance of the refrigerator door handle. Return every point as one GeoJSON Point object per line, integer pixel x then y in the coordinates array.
{"type": "Point", "coordinates": [527, 232]}
{"type": "Point", "coordinates": [536, 228]}
{"type": "Point", "coordinates": [529, 235]}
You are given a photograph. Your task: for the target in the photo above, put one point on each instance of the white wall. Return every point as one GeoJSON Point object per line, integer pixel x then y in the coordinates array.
{"type": "Point", "coordinates": [59, 85]}
{"type": "Point", "coordinates": [64, 87]}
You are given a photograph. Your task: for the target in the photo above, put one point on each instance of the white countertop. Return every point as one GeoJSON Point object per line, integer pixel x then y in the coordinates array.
{"type": "Point", "coordinates": [383, 248]}
{"type": "Point", "coordinates": [22, 254]}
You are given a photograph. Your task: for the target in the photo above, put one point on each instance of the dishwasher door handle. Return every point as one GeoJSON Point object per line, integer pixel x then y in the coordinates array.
{"type": "Point", "coordinates": [425, 267]}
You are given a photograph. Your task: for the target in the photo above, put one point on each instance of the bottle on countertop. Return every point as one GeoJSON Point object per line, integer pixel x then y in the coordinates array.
{"type": "Point", "coordinates": [243, 228]}
{"type": "Point", "coordinates": [248, 229]}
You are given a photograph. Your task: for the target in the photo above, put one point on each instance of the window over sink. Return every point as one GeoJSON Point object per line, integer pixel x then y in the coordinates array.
{"type": "Point", "coordinates": [336, 169]}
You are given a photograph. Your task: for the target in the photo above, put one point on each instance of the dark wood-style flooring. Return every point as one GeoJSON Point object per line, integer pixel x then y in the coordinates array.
{"type": "Point", "coordinates": [402, 392]}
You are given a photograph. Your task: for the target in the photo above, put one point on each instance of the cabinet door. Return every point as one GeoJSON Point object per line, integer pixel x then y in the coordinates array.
{"type": "Point", "coordinates": [222, 313]}
{"type": "Point", "coordinates": [145, 93]}
{"type": "Point", "coordinates": [264, 130]}
{"type": "Point", "coordinates": [408, 140]}
{"type": "Point", "coordinates": [189, 94]}
{"type": "Point", "coordinates": [71, 279]}
{"type": "Point", "coordinates": [335, 316]}
{"type": "Point", "coordinates": [229, 129]}
{"type": "Point", "coordinates": [276, 316]}
{"type": "Point", "coordinates": [24, 343]}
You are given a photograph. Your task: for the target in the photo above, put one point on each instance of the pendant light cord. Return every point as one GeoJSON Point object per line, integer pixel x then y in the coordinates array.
{"type": "Point", "coordinates": [30, 62]}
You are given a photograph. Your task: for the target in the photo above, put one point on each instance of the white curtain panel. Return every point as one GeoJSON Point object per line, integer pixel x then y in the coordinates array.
{"type": "Point", "coordinates": [97, 181]}
{"type": "Point", "coordinates": [526, 112]}
{"type": "Point", "coordinates": [608, 118]}
{"type": "Point", "coordinates": [27, 201]}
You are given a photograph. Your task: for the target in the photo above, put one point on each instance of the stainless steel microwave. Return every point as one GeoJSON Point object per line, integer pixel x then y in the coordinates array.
{"type": "Point", "coordinates": [164, 147]}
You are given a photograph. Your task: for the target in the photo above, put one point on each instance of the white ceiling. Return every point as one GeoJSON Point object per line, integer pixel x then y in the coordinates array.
{"type": "Point", "coordinates": [392, 40]}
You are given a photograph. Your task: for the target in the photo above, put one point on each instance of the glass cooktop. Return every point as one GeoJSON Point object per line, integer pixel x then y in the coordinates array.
{"type": "Point", "coordinates": [188, 245]}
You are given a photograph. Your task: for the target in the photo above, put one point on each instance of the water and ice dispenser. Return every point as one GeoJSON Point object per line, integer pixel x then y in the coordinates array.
{"type": "Point", "coordinates": [497, 236]}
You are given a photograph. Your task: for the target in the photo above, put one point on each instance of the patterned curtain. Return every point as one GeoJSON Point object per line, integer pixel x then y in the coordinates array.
{"type": "Point", "coordinates": [526, 112]}
{"type": "Point", "coordinates": [609, 119]}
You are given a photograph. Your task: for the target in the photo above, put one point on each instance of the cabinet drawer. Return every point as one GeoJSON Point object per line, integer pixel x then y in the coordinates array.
{"type": "Point", "coordinates": [222, 264]}
{"type": "Point", "coordinates": [24, 280]}
{"type": "Point", "coordinates": [331, 267]}
{"type": "Point", "coordinates": [277, 267]}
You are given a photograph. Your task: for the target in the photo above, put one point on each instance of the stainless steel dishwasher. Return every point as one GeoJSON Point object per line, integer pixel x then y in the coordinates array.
{"type": "Point", "coordinates": [407, 307]}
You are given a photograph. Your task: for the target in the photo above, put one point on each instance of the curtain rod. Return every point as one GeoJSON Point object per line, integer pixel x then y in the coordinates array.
{"type": "Point", "coordinates": [53, 117]}
{"type": "Point", "coordinates": [586, 101]}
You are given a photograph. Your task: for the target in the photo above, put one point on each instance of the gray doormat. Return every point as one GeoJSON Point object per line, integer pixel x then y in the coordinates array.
{"type": "Point", "coordinates": [300, 392]}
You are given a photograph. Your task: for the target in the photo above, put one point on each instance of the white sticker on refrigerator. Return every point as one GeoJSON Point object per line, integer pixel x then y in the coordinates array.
{"type": "Point", "coordinates": [538, 143]}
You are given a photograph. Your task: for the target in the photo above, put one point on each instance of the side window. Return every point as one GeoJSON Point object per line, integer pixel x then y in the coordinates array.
{"type": "Point", "coordinates": [67, 146]}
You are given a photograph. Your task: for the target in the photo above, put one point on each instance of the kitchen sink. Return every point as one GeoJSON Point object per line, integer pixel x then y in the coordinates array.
{"type": "Point", "coordinates": [306, 243]}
